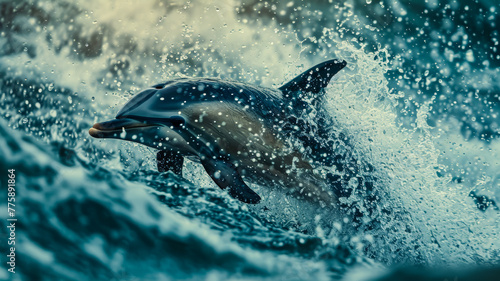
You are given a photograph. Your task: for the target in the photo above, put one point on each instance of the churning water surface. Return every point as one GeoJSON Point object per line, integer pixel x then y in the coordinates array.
{"type": "Point", "coordinates": [419, 101]}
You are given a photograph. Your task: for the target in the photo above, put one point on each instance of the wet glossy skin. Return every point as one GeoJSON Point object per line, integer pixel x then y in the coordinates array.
{"type": "Point", "coordinates": [237, 131]}
{"type": "Point", "coordinates": [208, 118]}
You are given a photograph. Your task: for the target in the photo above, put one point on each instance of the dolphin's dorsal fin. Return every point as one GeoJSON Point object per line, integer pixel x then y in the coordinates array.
{"type": "Point", "coordinates": [315, 78]}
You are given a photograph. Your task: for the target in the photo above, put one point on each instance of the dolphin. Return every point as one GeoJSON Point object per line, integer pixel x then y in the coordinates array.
{"type": "Point", "coordinates": [239, 132]}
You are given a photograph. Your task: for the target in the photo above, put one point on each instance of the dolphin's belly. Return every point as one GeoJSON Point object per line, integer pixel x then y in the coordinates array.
{"type": "Point", "coordinates": [260, 153]}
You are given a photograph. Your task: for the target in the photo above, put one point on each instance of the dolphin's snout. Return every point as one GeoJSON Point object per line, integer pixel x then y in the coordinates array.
{"type": "Point", "coordinates": [118, 124]}
{"type": "Point", "coordinates": [93, 132]}
{"type": "Point", "coordinates": [113, 127]}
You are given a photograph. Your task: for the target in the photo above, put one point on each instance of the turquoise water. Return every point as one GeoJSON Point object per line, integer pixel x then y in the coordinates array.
{"type": "Point", "coordinates": [418, 101]}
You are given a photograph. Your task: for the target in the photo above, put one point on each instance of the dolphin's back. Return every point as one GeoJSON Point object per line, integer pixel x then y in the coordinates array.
{"type": "Point", "coordinates": [165, 100]}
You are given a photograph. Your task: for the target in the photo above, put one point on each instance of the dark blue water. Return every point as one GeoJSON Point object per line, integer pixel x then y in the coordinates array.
{"type": "Point", "coordinates": [419, 101]}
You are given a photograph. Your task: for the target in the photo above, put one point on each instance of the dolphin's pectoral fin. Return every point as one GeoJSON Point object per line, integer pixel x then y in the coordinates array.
{"type": "Point", "coordinates": [224, 174]}
{"type": "Point", "coordinates": [315, 78]}
{"type": "Point", "coordinates": [239, 190]}
{"type": "Point", "coordinates": [169, 161]}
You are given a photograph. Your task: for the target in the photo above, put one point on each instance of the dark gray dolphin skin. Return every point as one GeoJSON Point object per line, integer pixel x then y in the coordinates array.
{"type": "Point", "coordinates": [238, 132]}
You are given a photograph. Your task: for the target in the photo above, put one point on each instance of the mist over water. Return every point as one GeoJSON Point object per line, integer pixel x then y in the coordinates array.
{"type": "Point", "coordinates": [418, 101]}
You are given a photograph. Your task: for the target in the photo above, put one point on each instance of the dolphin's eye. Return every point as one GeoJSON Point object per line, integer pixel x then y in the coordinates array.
{"type": "Point", "coordinates": [177, 121]}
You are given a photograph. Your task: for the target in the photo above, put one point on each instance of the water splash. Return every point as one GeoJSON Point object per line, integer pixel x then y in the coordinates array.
{"type": "Point", "coordinates": [64, 66]}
